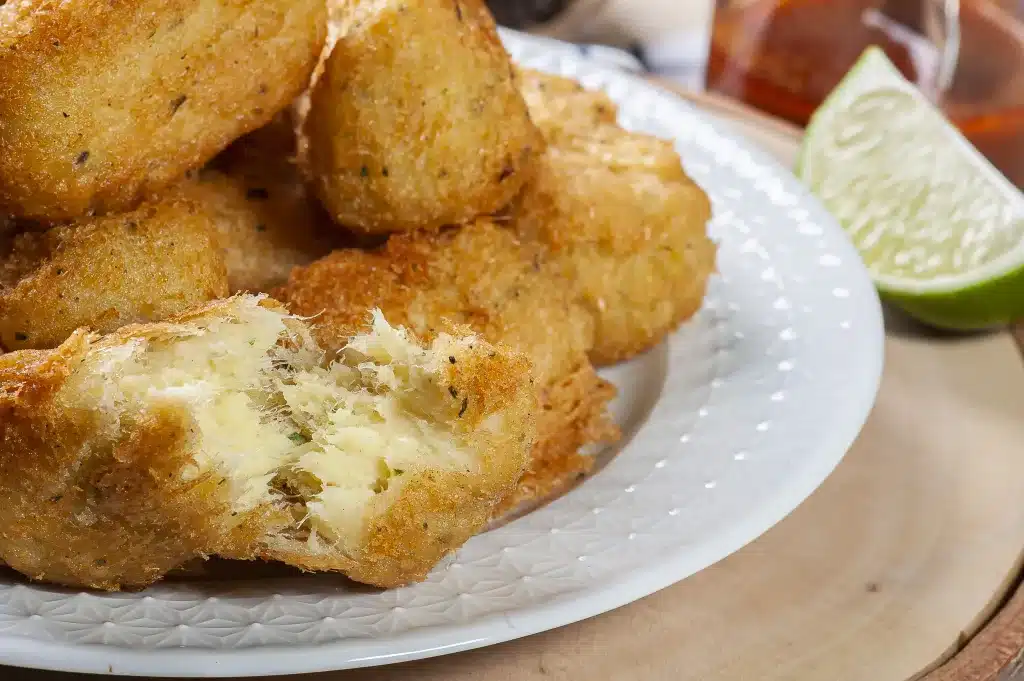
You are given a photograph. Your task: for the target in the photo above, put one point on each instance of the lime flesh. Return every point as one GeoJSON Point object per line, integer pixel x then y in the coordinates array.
{"type": "Point", "coordinates": [939, 228]}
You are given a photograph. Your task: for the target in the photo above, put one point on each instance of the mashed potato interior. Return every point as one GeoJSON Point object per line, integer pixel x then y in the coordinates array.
{"type": "Point", "coordinates": [281, 425]}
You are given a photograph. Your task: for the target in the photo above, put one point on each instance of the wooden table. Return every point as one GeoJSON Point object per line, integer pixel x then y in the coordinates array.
{"type": "Point", "coordinates": [905, 563]}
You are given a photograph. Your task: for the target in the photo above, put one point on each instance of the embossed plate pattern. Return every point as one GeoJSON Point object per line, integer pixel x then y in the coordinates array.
{"type": "Point", "coordinates": [730, 425]}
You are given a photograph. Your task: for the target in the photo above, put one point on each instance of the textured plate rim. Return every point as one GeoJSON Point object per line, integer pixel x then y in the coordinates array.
{"type": "Point", "coordinates": [560, 611]}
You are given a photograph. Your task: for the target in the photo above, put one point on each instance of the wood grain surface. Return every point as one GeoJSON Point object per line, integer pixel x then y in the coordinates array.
{"type": "Point", "coordinates": [888, 572]}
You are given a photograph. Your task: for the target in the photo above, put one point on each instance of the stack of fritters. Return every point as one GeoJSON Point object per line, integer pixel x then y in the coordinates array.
{"type": "Point", "coordinates": [451, 244]}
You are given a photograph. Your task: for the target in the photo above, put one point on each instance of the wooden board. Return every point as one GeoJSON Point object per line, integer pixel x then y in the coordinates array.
{"type": "Point", "coordinates": [884, 574]}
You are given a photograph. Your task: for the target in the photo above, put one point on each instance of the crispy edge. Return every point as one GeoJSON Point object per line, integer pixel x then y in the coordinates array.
{"type": "Point", "coordinates": [573, 413]}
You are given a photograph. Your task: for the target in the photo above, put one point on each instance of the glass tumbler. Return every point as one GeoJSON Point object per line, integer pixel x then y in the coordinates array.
{"type": "Point", "coordinates": [967, 56]}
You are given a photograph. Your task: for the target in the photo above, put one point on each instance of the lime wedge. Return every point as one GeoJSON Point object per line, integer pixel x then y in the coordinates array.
{"type": "Point", "coordinates": [939, 228]}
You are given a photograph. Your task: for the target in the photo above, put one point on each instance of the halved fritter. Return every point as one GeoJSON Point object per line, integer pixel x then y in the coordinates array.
{"type": "Point", "coordinates": [617, 218]}
{"type": "Point", "coordinates": [103, 272]}
{"type": "Point", "coordinates": [482, 277]}
{"type": "Point", "coordinates": [416, 121]}
{"type": "Point", "coordinates": [227, 431]}
{"type": "Point", "coordinates": [102, 103]}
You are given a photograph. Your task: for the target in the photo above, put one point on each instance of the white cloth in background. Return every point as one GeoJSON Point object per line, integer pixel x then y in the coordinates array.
{"type": "Point", "coordinates": [666, 37]}
{"type": "Point", "coordinates": [681, 57]}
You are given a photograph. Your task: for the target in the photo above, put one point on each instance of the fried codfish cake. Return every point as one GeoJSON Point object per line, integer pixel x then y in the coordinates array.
{"type": "Point", "coordinates": [618, 218]}
{"type": "Point", "coordinates": [102, 103]}
{"type": "Point", "coordinates": [575, 119]}
{"type": "Point", "coordinates": [227, 431]}
{"type": "Point", "coordinates": [103, 272]}
{"type": "Point", "coordinates": [561, 108]}
{"type": "Point", "coordinates": [262, 229]}
{"type": "Point", "coordinates": [479, 276]}
{"type": "Point", "coordinates": [266, 220]}
{"type": "Point", "coordinates": [416, 121]}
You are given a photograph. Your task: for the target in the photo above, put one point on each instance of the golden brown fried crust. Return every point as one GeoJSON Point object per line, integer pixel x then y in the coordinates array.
{"type": "Point", "coordinates": [416, 121]}
{"type": "Point", "coordinates": [95, 501]}
{"type": "Point", "coordinates": [576, 120]}
{"type": "Point", "coordinates": [264, 227]}
{"type": "Point", "coordinates": [87, 506]}
{"type": "Point", "coordinates": [634, 247]}
{"type": "Point", "coordinates": [562, 108]}
{"type": "Point", "coordinates": [267, 220]}
{"type": "Point", "coordinates": [104, 272]}
{"type": "Point", "coordinates": [102, 103]}
{"type": "Point", "coordinates": [482, 277]}
{"type": "Point", "coordinates": [616, 217]}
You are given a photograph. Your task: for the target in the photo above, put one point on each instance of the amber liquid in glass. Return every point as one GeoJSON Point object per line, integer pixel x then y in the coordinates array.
{"type": "Point", "coordinates": [785, 56]}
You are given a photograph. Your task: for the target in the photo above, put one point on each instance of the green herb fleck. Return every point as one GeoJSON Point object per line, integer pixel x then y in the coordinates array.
{"type": "Point", "coordinates": [452, 391]}
{"type": "Point", "coordinates": [82, 158]}
{"type": "Point", "coordinates": [364, 172]}
{"type": "Point", "coordinates": [384, 171]}
{"type": "Point", "coordinates": [451, 358]}
{"type": "Point", "coordinates": [20, 336]}
{"type": "Point", "coordinates": [261, 228]}
{"type": "Point", "coordinates": [298, 438]}
{"type": "Point", "coordinates": [257, 193]}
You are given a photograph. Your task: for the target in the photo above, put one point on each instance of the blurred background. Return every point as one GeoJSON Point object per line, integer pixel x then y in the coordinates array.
{"type": "Point", "coordinates": [667, 36]}
{"type": "Point", "coordinates": [784, 56]}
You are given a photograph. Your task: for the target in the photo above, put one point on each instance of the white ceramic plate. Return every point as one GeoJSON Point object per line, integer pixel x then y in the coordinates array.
{"type": "Point", "coordinates": [729, 426]}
